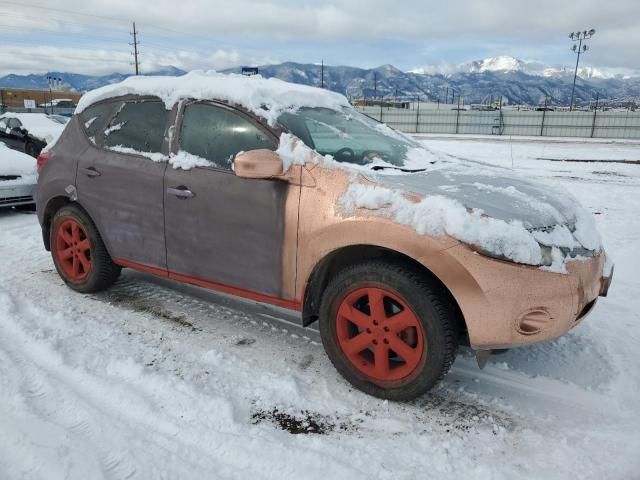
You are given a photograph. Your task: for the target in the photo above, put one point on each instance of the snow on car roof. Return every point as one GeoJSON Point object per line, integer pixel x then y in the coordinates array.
{"type": "Point", "coordinates": [267, 98]}
{"type": "Point", "coordinates": [38, 124]}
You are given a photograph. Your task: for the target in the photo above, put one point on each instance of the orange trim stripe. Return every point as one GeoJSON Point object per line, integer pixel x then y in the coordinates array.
{"type": "Point", "coordinates": [219, 287]}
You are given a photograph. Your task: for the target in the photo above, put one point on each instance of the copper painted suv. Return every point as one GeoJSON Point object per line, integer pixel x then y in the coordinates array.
{"type": "Point", "coordinates": [285, 195]}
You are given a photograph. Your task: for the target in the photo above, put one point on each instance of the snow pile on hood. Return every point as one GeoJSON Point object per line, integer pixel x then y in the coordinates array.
{"type": "Point", "coordinates": [267, 98]}
{"type": "Point", "coordinates": [13, 163]}
{"type": "Point", "coordinates": [437, 215]}
{"type": "Point", "coordinates": [38, 125]}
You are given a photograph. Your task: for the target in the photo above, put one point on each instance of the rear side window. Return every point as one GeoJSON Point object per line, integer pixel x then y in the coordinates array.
{"type": "Point", "coordinates": [217, 134]}
{"type": "Point", "coordinates": [139, 126]}
{"type": "Point", "coordinates": [94, 117]}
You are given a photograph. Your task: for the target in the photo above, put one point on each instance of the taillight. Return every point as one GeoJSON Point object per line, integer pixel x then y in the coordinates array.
{"type": "Point", "coordinates": [42, 159]}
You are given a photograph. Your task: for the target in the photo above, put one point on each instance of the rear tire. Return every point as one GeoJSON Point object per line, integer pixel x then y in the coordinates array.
{"type": "Point", "coordinates": [388, 330]}
{"type": "Point", "coordinates": [78, 252]}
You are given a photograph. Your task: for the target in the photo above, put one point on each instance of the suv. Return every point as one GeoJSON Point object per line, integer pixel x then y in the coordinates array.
{"type": "Point", "coordinates": [285, 195]}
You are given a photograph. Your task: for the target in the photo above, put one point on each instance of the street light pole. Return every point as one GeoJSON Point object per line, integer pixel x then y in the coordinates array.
{"type": "Point", "coordinates": [579, 48]}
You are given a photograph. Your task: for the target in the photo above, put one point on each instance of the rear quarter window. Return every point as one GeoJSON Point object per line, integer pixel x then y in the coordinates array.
{"type": "Point", "coordinates": [96, 116]}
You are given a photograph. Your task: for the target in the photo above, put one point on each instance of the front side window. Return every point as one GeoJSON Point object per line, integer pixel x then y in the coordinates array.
{"type": "Point", "coordinates": [217, 134]}
{"type": "Point", "coordinates": [138, 126]}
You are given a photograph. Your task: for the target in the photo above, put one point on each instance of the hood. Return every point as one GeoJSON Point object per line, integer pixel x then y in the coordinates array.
{"type": "Point", "coordinates": [496, 193]}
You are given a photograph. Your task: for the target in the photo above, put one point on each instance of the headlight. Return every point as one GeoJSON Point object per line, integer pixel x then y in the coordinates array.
{"type": "Point", "coordinates": [546, 254]}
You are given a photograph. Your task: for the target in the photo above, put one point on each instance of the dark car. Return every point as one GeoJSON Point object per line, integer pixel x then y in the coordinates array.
{"type": "Point", "coordinates": [28, 132]}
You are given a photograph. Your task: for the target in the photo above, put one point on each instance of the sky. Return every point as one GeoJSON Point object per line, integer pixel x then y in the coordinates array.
{"type": "Point", "coordinates": [93, 36]}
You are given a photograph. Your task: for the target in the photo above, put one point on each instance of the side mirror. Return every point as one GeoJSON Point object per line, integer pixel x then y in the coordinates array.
{"type": "Point", "coordinates": [261, 163]}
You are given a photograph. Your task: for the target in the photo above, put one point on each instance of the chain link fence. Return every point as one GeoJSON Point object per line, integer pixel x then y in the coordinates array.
{"type": "Point", "coordinates": [596, 124]}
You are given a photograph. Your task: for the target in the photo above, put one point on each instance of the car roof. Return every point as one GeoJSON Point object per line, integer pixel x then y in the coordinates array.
{"type": "Point", "coordinates": [266, 98]}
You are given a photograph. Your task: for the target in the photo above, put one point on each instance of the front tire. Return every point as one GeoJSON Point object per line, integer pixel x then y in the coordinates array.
{"type": "Point", "coordinates": [389, 331]}
{"type": "Point", "coordinates": [78, 252]}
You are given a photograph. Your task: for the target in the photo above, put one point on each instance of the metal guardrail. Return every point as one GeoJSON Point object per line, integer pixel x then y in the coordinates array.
{"type": "Point", "coordinates": [595, 124]}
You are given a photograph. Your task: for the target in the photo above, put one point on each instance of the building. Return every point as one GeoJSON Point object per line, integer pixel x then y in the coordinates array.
{"type": "Point", "coordinates": [15, 97]}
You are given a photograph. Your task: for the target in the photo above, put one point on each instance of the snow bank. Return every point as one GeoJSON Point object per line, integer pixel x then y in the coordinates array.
{"type": "Point", "coordinates": [38, 125]}
{"type": "Point", "coordinates": [267, 98]}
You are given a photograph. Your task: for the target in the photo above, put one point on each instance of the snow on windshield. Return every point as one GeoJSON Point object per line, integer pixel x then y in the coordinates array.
{"type": "Point", "coordinates": [267, 98]}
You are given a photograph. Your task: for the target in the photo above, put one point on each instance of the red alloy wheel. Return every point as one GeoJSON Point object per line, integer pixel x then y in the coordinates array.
{"type": "Point", "coordinates": [379, 334]}
{"type": "Point", "coordinates": [73, 250]}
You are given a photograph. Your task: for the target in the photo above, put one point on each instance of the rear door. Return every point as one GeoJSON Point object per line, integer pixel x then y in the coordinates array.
{"type": "Point", "coordinates": [120, 182]}
{"type": "Point", "coordinates": [222, 229]}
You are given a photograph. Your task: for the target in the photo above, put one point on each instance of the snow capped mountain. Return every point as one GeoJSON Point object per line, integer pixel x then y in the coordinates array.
{"type": "Point", "coordinates": [508, 64]}
{"type": "Point", "coordinates": [517, 81]}
{"type": "Point", "coordinates": [503, 63]}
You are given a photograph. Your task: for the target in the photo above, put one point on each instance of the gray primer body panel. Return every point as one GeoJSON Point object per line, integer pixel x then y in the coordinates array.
{"type": "Point", "coordinates": [60, 172]}
{"type": "Point", "coordinates": [230, 232]}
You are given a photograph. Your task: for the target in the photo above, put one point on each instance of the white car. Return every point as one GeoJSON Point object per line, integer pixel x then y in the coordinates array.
{"type": "Point", "coordinates": [18, 178]}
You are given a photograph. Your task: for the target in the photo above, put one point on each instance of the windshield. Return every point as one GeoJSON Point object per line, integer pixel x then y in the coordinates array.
{"type": "Point", "coordinates": [348, 136]}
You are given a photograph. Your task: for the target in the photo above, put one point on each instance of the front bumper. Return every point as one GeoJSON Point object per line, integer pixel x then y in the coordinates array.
{"type": "Point", "coordinates": [512, 305]}
{"type": "Point", "coordinates": [16, 195]}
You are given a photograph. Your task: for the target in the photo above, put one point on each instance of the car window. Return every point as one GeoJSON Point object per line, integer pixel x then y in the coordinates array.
{"type": "Point", "coordinates": [96, 116]}
{"type": "Point", "coordinates": [218, 134]}
{"type": "Point", "coordinates": [139, 126]}
{"type": "Point", "coordinates": [3, 123]}
{"type": "Point", "coordinates": [14, 123]}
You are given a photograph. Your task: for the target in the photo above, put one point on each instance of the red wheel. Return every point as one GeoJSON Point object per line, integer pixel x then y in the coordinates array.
{"type": "Point", "coordinates": [72, 249]}
{"type": "Point", "coordinates": [379, 334]}
{"type": "Point", "coordinates": [78, 251]}
{"type": "Point", "coordinates": [388, 329]}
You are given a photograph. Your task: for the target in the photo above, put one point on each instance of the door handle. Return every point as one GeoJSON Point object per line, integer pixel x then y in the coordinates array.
{"type": "Point", "coordinates": [181, 192]}
{"type": "Point", "coordinates": [91, 172]}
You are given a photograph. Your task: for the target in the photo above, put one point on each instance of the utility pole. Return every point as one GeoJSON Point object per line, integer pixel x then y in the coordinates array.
{"type": "Point", "coordinates": [375, 86]}
{"type": "Point", "coordinates": [135, 47]}
{"type": "Point", "coordinates": [579, 48]}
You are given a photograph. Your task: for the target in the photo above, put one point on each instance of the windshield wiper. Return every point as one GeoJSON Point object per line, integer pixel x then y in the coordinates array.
{"type": "Point", "coordinates": [408, 170]}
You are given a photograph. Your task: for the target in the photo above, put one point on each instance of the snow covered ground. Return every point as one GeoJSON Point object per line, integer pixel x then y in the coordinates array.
{"type": "Point", "coordinates": [144, 381]}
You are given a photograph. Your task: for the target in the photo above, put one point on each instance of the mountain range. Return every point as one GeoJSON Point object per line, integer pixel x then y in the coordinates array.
{"type": "Point", "coordinates": [516, 81]}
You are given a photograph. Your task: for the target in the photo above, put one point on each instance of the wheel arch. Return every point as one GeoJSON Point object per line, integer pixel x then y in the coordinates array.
{"type": "Point", "coordinates": [346, 256]}
{"type": "Point", "coordinates": [53, 206]}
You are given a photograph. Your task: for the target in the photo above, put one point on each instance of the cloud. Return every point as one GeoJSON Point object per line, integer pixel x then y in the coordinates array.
{"type": "Point", "coordinates": [196, 33]}
{"type": "Point", "coordinates": [41, 59]}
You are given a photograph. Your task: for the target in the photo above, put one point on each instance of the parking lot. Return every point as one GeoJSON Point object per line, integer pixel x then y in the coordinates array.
{"type": "Point", "coordinates": [145, 381]}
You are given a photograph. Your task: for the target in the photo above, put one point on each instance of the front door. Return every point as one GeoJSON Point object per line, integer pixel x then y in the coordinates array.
{"type": "Point", "coordinates": [220, 228]}
{"type": "Point", "coordinates": [120, 186]}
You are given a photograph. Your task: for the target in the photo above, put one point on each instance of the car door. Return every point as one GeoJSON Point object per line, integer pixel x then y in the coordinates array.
{"type": "Point", "coordinates": [223, 231]}
{"type": "Point", "coordinates": [119, 183]}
